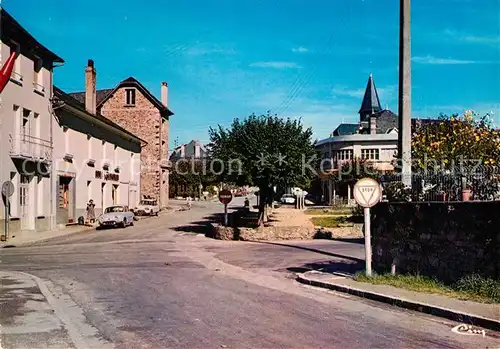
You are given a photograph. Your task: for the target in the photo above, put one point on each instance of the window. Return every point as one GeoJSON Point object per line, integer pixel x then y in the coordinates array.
{"type": "Point", "coordinates": [344, 154]}
{"type": "Point", "coordinates": [37, 71]}
{"type": "Point", "coordinates": [66, 140]}
{"type": "Point", "coordinates": [130, 96]}
{"type": "Point", "coordinates": [89, 146]}
{"type": "Point", "coordinates": [370, 154]}
{"type": "Point", "coordinates": [89, 190]}
{"type": "Point", "coordinates": [36, 120]}
{"type": "Point", "coordinates": [25, 123]}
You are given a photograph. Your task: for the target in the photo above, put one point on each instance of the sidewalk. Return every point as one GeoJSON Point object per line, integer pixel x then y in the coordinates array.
{"type": "Point", "coordinates": [27, 319]}
{"type": "Point", "coordinates": [473, 313]}
{"type": "Point", "coordinates": [23, 239]}
{"type": "Point", "coordinates": [36, 314]}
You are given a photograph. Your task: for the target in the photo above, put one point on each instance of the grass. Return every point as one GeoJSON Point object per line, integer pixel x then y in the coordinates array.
{"type": "Point", "coordinates": [472, 287]}
{"type": "Point", "coordinates": [327, 211]}
{"type": "Point", "coordinates": [328, 221]}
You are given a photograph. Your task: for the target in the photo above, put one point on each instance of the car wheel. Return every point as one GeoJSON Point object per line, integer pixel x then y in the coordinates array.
{"type": "Point", "coordinates": [132, 223]}
{"type": "Point", "coordinates": [124, 223]}
{"type": "Point", "coordinates": [156, 214]}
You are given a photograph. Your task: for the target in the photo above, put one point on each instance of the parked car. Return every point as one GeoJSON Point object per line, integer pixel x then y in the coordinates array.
{"type": "Point", "coordinates": [287, 199]}
{"type": "Point", "coordinates": [116, 216]}
{"type": "Point", "coordinates": [147, 207]}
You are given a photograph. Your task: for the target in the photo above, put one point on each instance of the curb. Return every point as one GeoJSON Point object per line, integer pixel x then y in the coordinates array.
{"type": "Point", "coordinates": [28, 243]}
{"type": "Point", "coordinates": [450, 314]}
{"type": "Point", "coordinates": [73, 333]}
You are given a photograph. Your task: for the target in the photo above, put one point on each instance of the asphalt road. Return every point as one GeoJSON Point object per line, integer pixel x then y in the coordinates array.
{"type": "Point", "coordinates": [161, 285]}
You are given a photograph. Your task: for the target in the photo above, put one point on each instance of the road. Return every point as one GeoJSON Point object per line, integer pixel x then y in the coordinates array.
{"type": "Point", "coordinates": [160, 284]}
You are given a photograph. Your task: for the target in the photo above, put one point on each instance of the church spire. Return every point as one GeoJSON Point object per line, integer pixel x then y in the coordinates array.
{"type": "Point", "coordinates": [371, 103]}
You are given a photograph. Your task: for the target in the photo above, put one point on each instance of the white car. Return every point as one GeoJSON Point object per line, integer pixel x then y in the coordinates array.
{"type": "Point", "coordinates": [116, 216]}
{"type": "Point", "coordinates": [287, 199]}
{"type": "Point", "coordinates": [147, 207]}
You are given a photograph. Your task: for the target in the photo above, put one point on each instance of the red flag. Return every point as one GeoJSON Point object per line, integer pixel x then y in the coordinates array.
{"type": "Point", "coordinates": [7, 70]}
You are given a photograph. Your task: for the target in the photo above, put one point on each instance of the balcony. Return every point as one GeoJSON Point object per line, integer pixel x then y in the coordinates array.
{"type": "Point", "coordinates": [27, 147]}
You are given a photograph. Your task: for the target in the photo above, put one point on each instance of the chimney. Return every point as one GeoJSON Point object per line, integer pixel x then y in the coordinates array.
{"type": "Point", "coordinates": [373, 125]}
{"type": "Point", "coordinates": [164, 93]}
{"type": "Point", "coordinates": [90, 86]}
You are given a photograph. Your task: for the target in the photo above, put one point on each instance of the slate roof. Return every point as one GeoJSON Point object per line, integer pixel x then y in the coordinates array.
{"type": "Point", "coordinates": [346, 129]}
{"type": "Point", "coordinates": [75, 103]}
{"type": "Point", "coordinates": [10, 29]}
{"type": "Point", "coordinates": [100, 95]}
{"type": "Point", "coordinates": [103, 95]}
{"type": "Point", "coordinates": [371, 102]}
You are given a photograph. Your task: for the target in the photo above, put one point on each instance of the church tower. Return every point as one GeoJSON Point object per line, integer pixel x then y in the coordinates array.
{"type": "Point", "coordinates": [371, 103]}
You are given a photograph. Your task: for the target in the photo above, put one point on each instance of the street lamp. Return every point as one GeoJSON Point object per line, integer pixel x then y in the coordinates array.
{"type": "Point", "coordinates": [404, 127]}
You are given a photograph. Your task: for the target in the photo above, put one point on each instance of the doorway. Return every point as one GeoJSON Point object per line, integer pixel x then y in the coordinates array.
{"type": "Point", "coordinates": [114, 194]}
{"type": "Point", "coordinates": [27, 219]}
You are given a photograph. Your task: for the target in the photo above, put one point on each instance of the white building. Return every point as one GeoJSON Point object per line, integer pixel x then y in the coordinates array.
{"type": "Point", "coordinates": [26, 130]}
{"type": "Point", "coordinates": [373, 139]}
{"type": "Point", "coordinates": [94, 158]}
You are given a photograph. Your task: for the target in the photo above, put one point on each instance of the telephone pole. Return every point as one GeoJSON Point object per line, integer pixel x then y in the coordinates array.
{"type": "Point", "coordinates": [404, 135]}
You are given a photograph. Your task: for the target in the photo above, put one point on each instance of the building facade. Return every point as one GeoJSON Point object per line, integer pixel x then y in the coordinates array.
{"type": "Point", "coordinates": [94, 159]}
{"type": "Point", "coordinates": [134, 108]}
{"type": "Point", "coordinates": [191, 150]}
{"type": "Point", "coordinates": [26, 137]}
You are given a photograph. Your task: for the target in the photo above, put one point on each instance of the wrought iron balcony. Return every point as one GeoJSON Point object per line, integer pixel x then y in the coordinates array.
{"type": "Point", "coordinates": [23, 146]}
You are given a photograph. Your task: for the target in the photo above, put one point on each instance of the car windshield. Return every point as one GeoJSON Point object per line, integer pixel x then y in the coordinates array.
{"type": "Point", "coordinates": [114, 209]}
{"type": "Point", "coordinates": [147, 202]}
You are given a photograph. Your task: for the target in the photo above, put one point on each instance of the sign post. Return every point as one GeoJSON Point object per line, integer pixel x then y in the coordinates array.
{"type": "Point", "coordinates": [225, 197]}
{"type": "Point", "coordinates": [7, 191]}
{"type": "Point", "coordinates": [367, 193]}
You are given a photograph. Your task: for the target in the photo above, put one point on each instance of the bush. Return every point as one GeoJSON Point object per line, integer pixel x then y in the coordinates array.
{"type": "Point", "coordinates": [476, 284]}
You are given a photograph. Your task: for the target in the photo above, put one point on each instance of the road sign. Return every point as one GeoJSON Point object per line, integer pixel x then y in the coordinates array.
{"type": "Point", "coordinates": [7, 189]}
{"type": "Point", "coordinates": [367, 192]}
{"type": "Point", "coordinates": [225, 196]}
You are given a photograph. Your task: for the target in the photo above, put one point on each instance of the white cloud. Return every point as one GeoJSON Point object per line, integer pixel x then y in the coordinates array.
{"type": "Point", "coordinates": [300, 49]}
{"type": "Point", "coordinates": [475, 39]}
{"type": "Point", "coordinates": [276, 65]}
{"type": "Point", "coordinates": [207, 50]}
{"type": "Point", "coordinates": [435, 60]}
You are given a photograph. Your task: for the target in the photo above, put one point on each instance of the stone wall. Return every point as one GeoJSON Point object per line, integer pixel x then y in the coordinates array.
{"type": "Point", "coordinates": [443, 240]}
{"type": "Point", "coordinates": [144, 120]}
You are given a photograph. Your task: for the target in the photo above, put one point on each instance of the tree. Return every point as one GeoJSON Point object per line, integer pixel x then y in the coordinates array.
{"type": "Point", "coordinates": [460, 152]}
{"type": "Point", "coordinates": [263, 151]}
{"type": "Point", "coordinates": [456, 142]}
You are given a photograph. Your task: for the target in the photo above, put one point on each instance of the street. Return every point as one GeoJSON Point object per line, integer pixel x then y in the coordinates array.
{"type": "Point", "coordinates": [160, 284]}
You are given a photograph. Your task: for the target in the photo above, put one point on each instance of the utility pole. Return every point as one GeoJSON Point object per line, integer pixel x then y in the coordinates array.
{"type": "Point", "coordinates": [404, 119]}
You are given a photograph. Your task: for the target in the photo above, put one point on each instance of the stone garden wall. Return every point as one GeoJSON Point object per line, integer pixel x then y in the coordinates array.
{"type": "Point", "coordinates": [443, 240]}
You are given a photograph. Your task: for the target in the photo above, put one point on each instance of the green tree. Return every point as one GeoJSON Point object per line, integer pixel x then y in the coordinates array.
{"type": "Point", "coordinates": [263, 151]}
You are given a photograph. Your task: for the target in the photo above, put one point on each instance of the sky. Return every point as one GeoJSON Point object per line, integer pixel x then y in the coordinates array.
{"type": "Point", "coordinates": [226, 59]}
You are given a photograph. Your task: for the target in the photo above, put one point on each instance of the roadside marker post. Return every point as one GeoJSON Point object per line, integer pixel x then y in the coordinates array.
{"type": "Point", "coordinates": [367, 193]}
{"type": "Point", "coordinates": [7, 192]}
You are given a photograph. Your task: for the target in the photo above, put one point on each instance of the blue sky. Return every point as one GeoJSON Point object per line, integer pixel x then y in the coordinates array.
{"type": "Point", "coordinates": [310, 59]}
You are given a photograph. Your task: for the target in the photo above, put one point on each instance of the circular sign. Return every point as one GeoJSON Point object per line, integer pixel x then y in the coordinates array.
{"type": "Point", "coordinates": [225, 196]}
{"type": "Point", "coordinates": [367, 192]}
{"type": "Point", "coordinates": [7, 189]}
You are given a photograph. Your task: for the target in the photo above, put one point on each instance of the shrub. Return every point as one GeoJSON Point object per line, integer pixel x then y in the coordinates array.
{"type": "Point", "coordinates": [476, 284]}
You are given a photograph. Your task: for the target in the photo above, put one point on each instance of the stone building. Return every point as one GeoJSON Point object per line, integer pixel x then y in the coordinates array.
{"type": "Point", "coordinates": [26, 139]}
{"type": "Point", "coordinates": [134, 108]}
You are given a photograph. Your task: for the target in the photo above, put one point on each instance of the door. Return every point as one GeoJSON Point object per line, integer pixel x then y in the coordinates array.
{"type": "Point", "coordinates": [102, 196]}
{"type": "Point", "coordinates": [114, 194]}
{"type": "Point", "coordinates": [24, 203]}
